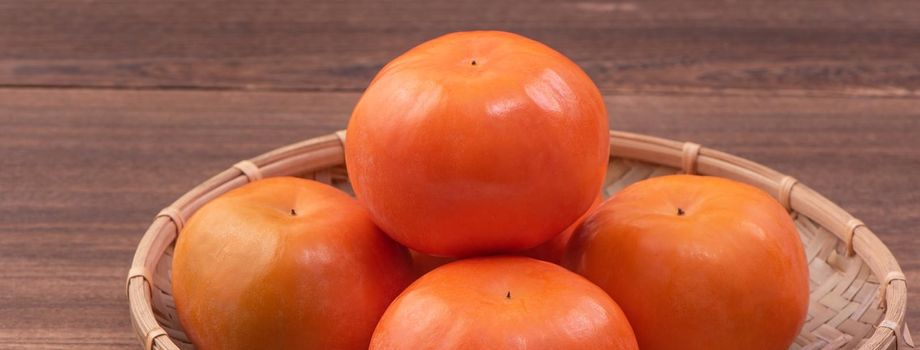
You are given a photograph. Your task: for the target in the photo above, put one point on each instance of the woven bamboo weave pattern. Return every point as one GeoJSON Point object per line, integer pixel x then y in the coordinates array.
{"type": "Point", "coordinates": [858, 294]}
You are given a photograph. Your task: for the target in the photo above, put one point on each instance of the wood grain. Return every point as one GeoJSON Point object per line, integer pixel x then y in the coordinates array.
{"type": "Point", "coordinates": [84, 171]}
{"type": "Point", "coordinates": [111, 109]}
{"type": "Point", "coordinates": [804, 48]}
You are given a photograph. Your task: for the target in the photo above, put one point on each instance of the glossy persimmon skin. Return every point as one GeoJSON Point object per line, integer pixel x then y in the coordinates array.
{"type": "Point", "coordinates": [478, 142]}
{"type": "Point", "coordinates": [503, 302]}
{"type": "Point", "coordinates": [727, 273]}
{"type": "Point", "coordinates": [248, 273]}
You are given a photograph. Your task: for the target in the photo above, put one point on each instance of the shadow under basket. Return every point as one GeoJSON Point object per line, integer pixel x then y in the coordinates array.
{"type": "Point", "coordinates": [858, 291]}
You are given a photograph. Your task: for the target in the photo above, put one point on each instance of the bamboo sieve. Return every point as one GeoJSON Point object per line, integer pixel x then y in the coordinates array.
{"type": "Point", "coordinates": [858, 291]}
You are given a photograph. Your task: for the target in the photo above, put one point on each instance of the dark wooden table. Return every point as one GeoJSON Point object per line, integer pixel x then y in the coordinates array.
{"type": "Point", "coordinates": [109, 110]}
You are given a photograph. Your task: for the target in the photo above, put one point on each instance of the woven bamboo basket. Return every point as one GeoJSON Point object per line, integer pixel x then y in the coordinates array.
{"type": "Point", "coordinates": [858, 291]}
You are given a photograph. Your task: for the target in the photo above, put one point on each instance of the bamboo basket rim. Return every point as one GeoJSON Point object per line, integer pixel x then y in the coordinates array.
{"type": "Point", "coordinates": [326, 151]}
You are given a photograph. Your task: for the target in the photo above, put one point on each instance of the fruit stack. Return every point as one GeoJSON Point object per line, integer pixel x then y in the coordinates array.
{"type": "Point", "coordinates": [477, 161]}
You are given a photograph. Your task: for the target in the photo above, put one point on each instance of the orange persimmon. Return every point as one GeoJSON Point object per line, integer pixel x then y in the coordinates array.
{"type": "Point", "coordinates": [697, 262]}
{"type": "Point", "coordinates": [503, 302]}
{"type": "Point", "coordinates": [478, 142]}
{"type": "Point", "coordinates": [284, 263]}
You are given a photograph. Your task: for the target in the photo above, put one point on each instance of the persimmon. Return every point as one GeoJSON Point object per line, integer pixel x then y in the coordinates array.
{"type": "Point", "coordinates": [502, 302]}
{"type": "Point", "coordinates": [284, 263]}
{"type": "Point", "coordinates": [697, 263]}
{"type": "Point", "coordinates": [478, 142]}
